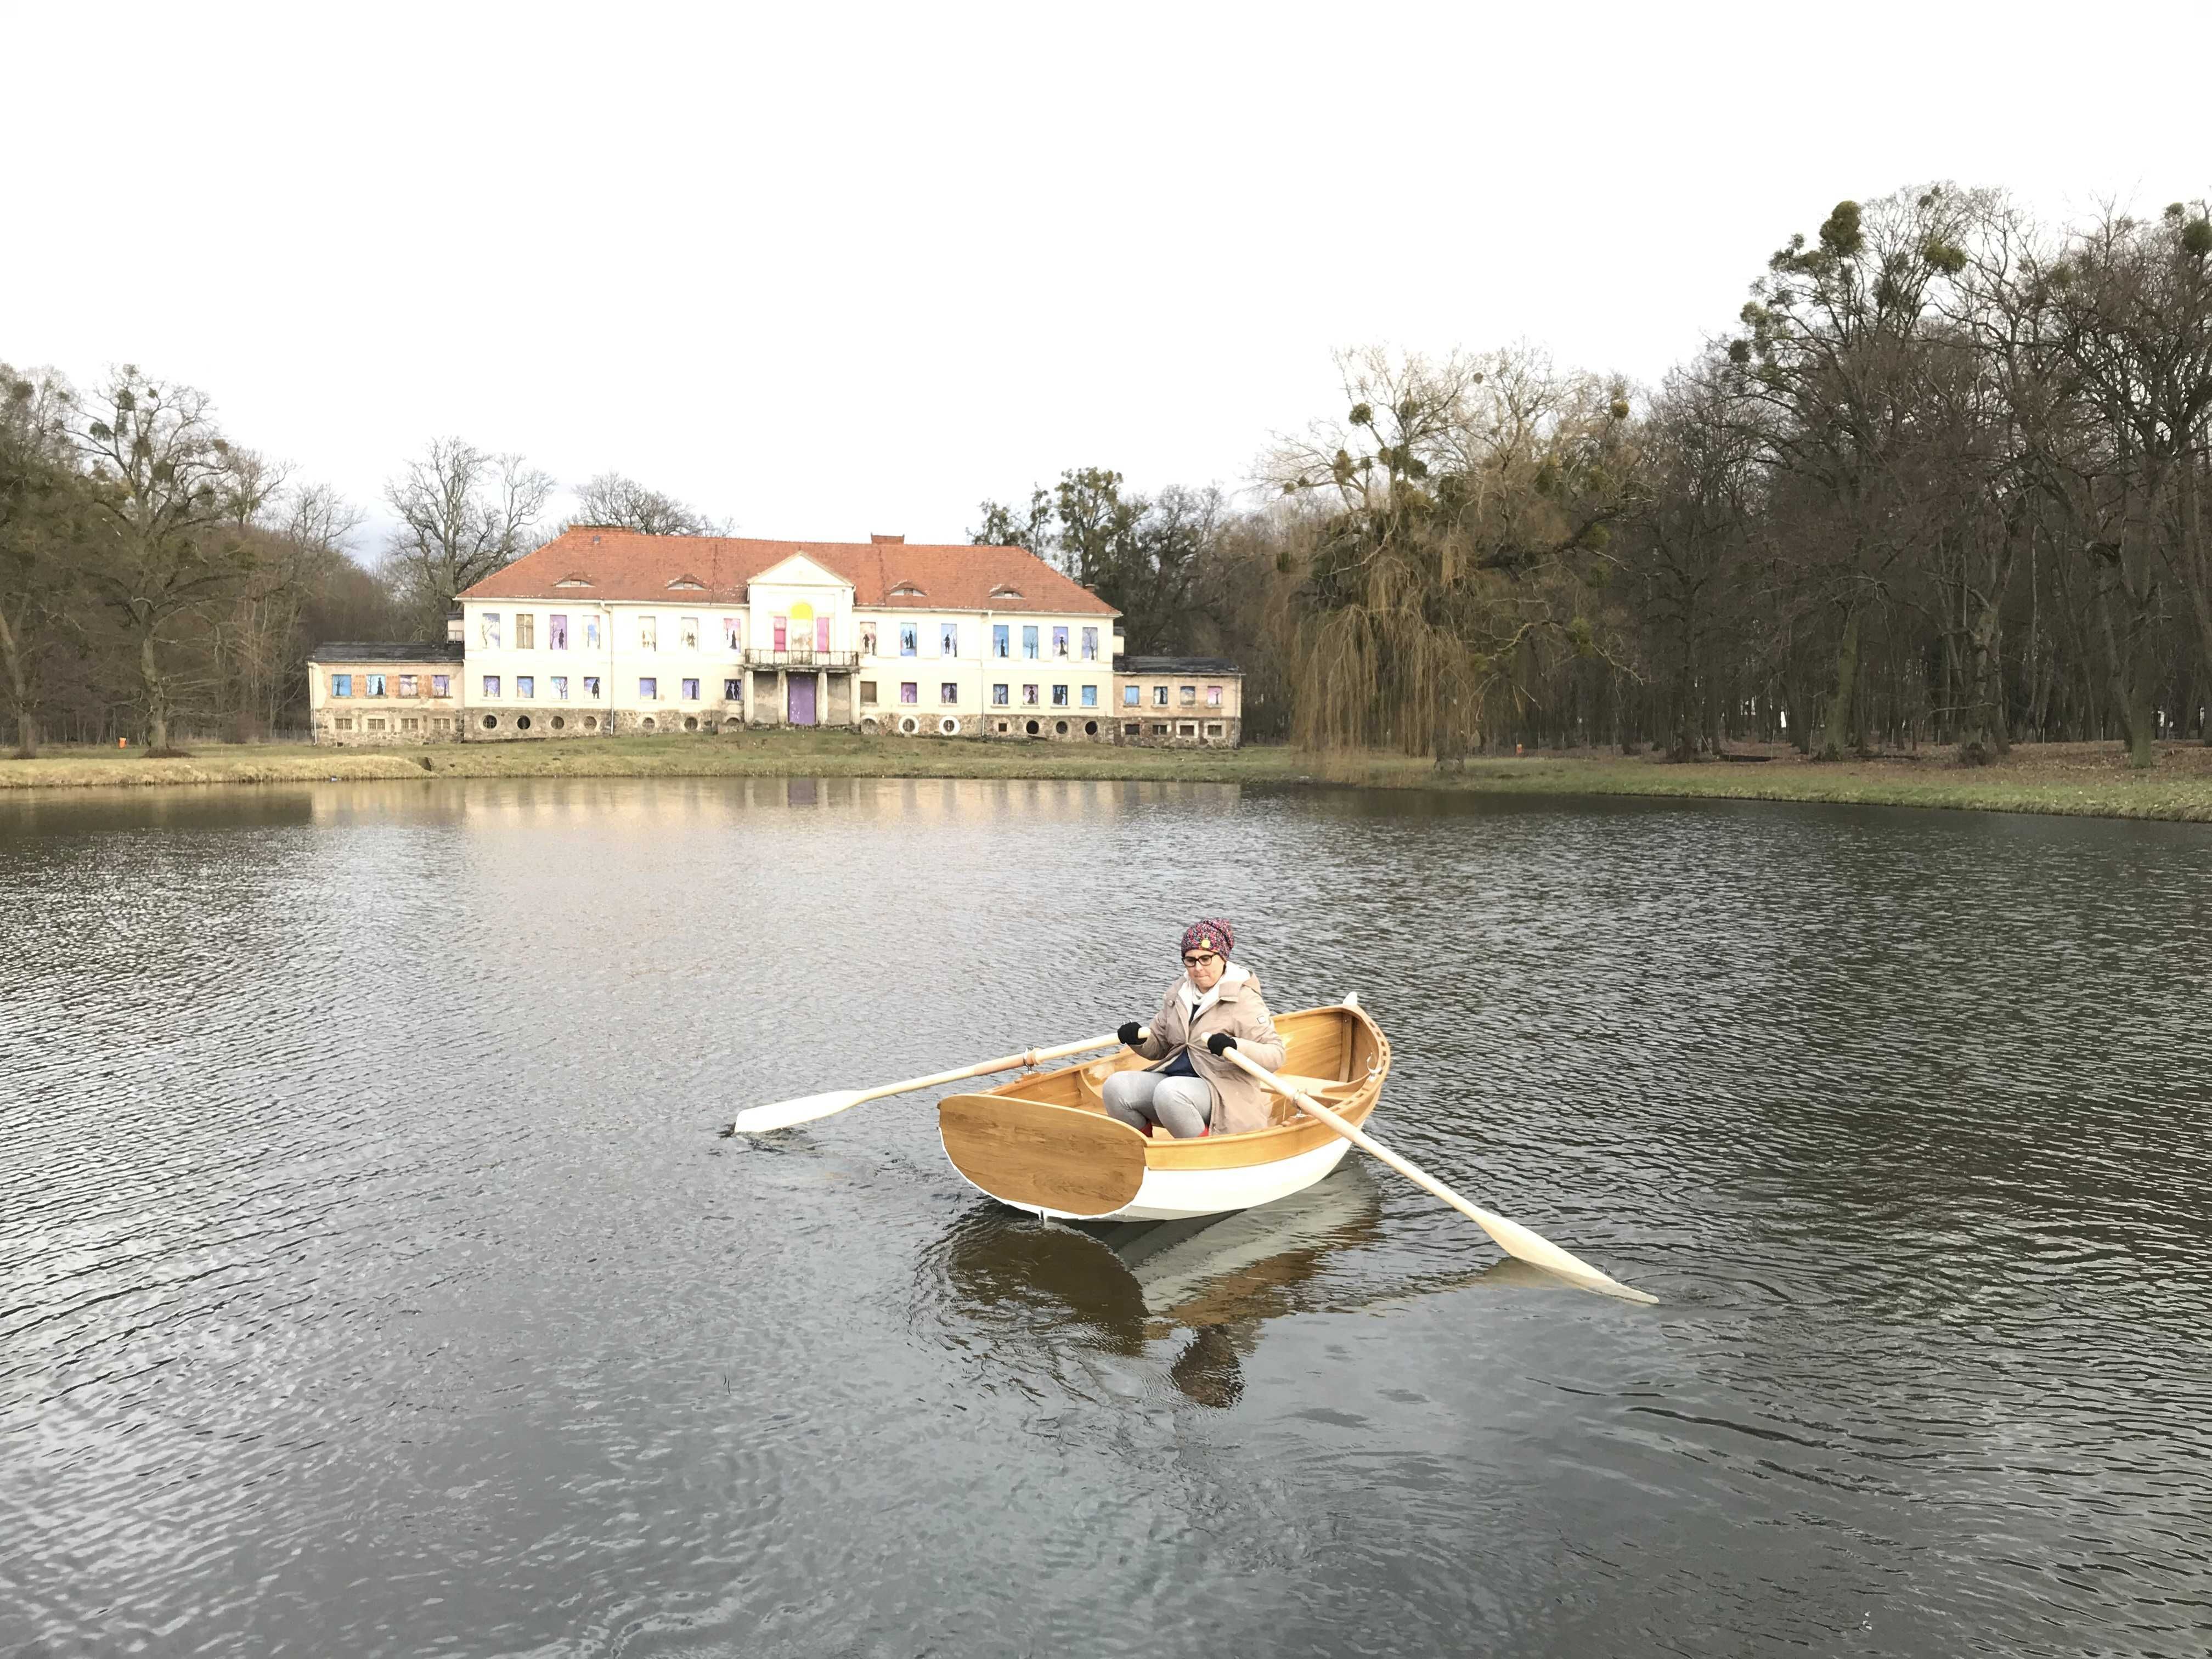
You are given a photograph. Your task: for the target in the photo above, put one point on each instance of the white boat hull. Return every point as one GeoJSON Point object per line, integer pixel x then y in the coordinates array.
{"type": "Point", "coordinates": [1178, 1194]}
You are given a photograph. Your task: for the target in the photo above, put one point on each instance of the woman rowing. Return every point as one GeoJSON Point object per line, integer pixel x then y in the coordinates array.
{"type": "Point", "coordinates": [1215, 1007]}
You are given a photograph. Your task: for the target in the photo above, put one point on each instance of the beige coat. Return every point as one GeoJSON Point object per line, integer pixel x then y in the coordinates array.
{"type": "Point", "coordinates": [1239, 1103]}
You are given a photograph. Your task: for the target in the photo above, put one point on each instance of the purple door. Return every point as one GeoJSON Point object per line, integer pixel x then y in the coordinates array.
{"type": "Point", "coordinates": [802, 699]}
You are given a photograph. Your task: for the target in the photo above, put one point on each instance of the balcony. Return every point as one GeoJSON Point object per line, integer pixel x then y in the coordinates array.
{"type": "Point", "coordinates": [805, 658]}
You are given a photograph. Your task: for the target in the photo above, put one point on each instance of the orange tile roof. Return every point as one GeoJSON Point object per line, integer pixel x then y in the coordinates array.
{"type": "Point", "coordinates": [627, 566]}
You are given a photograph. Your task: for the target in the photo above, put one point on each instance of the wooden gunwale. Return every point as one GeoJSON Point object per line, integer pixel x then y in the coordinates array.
{"type": "Point", "coordinates": [1358, 1041]}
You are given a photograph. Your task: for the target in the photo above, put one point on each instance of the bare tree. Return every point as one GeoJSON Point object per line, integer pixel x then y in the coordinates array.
{"type": "Point", "coordinates": [464, 513]}
{"type": "Point", "coordinates": [42, 527]}
{"type": "Point", "coordinates": [164, 495]}
{"type": "Point", "coordinates": [624, 503]}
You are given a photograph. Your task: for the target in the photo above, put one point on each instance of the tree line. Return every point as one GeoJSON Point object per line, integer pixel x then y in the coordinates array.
{"type": "Point", "coordinates": [1944, 483]}
{"type": "Point", "coordinates": [156, 576]}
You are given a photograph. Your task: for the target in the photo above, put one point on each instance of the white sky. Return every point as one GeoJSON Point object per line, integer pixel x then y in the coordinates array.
{"type": "Point", "coordinates": [834, 270]}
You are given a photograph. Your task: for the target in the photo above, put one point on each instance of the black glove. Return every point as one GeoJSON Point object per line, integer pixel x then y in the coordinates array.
{"type": "Point", "coordinates": [1129, 1033]}
{"type": "Point", "coordinates": [1219, 1041]}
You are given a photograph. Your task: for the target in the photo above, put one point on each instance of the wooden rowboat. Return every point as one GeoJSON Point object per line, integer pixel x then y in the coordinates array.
{"type": "Point", "coordinates": [1044, 1143]}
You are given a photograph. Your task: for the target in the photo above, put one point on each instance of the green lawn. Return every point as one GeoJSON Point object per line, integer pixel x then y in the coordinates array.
{"type": "Point", "coordinates": [2085, 779]}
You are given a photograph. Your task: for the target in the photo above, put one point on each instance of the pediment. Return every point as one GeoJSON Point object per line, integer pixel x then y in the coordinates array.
{"type": "Point", "coordinates": [800, 571]}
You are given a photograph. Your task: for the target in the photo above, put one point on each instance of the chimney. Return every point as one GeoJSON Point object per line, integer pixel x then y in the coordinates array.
{"type": "Point", "coordinates": [881, 541]}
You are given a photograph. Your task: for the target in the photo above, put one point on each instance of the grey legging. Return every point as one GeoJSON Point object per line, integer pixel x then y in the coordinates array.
{"type": "Point", "coordinates": [1140, 1099]}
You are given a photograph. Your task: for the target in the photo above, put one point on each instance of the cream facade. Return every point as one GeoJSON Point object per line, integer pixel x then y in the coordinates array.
{"type": "Point", "coordinates": [799, 649]}
{"type": "Point", "coordinates": [1179, 701]}
{"type": "Point", "coordinates": [367, 694]}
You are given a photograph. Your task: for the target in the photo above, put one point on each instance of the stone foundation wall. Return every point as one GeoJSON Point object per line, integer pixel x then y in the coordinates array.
{"type": "Point", "coordinates": [1182, 731]}
{"type": "Point", "coordinates": [375, 728]}
{"type": "Point", "coordinates": [1050, 724]}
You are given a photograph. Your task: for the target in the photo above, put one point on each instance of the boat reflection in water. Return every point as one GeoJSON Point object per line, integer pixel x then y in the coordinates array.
{"type": "Point", "coordinates": [1119, 1287]}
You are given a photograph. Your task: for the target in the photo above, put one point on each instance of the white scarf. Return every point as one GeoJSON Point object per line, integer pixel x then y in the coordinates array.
{"type": "Point", "coordinates": [1197, 1005]}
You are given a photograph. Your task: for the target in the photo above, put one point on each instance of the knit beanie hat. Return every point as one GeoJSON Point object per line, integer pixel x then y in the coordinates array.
{"type": "Point", "coordinates": [1210, 934]}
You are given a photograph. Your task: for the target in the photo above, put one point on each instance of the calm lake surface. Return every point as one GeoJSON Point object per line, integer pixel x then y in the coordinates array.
{"type": "Point", "coordinates": [373, 1279]}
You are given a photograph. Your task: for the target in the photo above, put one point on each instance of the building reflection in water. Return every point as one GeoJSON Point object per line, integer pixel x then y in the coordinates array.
{"type": "Point", "coordinates": [1119, 1287]}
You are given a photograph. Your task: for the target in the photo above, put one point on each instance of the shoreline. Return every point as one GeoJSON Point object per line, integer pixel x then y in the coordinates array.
{"type": "Point", "coordinates": [2075, 779]}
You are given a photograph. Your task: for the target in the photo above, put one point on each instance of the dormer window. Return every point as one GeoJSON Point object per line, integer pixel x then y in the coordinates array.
{"type": "Point", "coordinates": [907, 590]}
{"type": "Point", "coordinates": [691, 584]}
{"type": "Point", "coordinates": [573, 581]}
{"type": "Point", "coordinates": [1004, 591]}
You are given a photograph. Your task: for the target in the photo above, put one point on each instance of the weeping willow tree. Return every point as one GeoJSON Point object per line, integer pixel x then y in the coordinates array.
{"type": "Point", "coordinates": [1453, 529]}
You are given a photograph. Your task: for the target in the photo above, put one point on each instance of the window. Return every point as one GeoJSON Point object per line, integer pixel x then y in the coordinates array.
{"type": "Point", "coordinates": [687, 632]}
{"type": "Point", "coordinates": [648, 633]}
{"type": "Point", "coordinates": [867, 693]}
{"type": "Point", "coordinates": [1131, 697]}
{"type": "Point", "coordinates": [733, 692]}
{"type": "Point", "coordinates": [909, 636]}
{"type": "Point", "coordinates": [1213, 728]}
{"type": "Point", "coordinates": [948, 639]}
{"type": "Point", "coordinates": [1090, 697]}
{"type": "Point", "coordinates": [525, 631]}
{"type": "Point", "coordinates": [590, 633]}
{"type": "Point", "coordinates": [1160, 729]}
{"type": "Point", "coordinates": [346, 725]}
{"type": "Point", "coordinates": [561, 688]}
{"type": "Point", "coordinates": [375, 685]}
{"type": "Point", "coordinates": [411, 685]}
{"type": "Point", "coordinates": [1029, 643]}
{"type": "Point", "coordinates": [487, 631]}
{"type": "Point", "coordinates": [999, 632]}
{"type": "Point", "coordinates": [781, 626]}
{"type": "Point", "coordinates": [999, 696]}
{"type": "Point", "coordinates": [733, 637]}
{"type": "Point", "coordinates": [910, 691]}
{"type": "Point", "coordinates": [822, 633]}
{"type": "Point", "coordinates": [556, 632]}
{"type": "Point", "coordinates": [1059, 642]}
{"type": "Point", "coordinates": [648, 691]}
{"type": "Point", "coordinates": [372, 725]}
{"type": "Point", "coordinates": [948, 692]}
{"type": "Point", "coordinates": [1213, 696]}
{"type": "Point", "coordinates": [1187, 729]}
{"type": "Point", "coordinates": [591, 686]}
{"type": "Point", "coordinates": [1159, 697]}
{"type": "Point", "coordinates": [1189, 696]}
{"type": "Point", "coordinates": [1133, 729]}
{"type": "Point", "coordinates": [867, 639]}
{"type": "Point", "coordinates": [342, 685]}
{"type": "Point", "coordinates": [491, 686]}
{"type": "Point", "coordinates": [442, 685]}
{"type": "Point", "coordinates": [410, 725]}
{"type": "Point", "coordinates": [1028, 695]}
{"type": "Point", "coordinates": [525, 685]}
{"type": "Point", "coordinates": [1060, 697]}
{"type": "Point", "coordinates": [1090, 645]}
{"type": "Point", "coordinates": [691, 690]}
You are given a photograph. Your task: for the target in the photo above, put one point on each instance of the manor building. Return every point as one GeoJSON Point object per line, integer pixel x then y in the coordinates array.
{"type": "Point", "coordinates": [605, 630]}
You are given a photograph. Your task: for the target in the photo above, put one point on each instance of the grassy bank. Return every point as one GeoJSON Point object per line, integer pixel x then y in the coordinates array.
{"type": "Point", "coordinates": [2083, 779]}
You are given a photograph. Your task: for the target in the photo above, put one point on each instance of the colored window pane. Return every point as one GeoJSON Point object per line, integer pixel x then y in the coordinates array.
{"type": "Point", "coordinates": [561, 688]}
{"type": "Point", "coordinates": [1028, 693]}
{"type": "Point", "coordinates": [998, 694]}
{"type": "Point", "coordinates": [411, 685]}
{"type": "Point", "coordinates": [1130, 696]}
{"type": "Point", "coordinates": [948, 692]}
{"type": "Point", "coordinates": [910, 691]}
{"type": "Point", "coordinates": [1090, 697]}
{"type": "Point", "coordinates": [1059, 641]}
{"type": "Point", "coordinates": [648, 633]}
{"type": "Point", "coordinates": [691, 690]}
{"type": "Point", "coordinates": [525, 685]}
{"type": "Point", "coordinates": [781, 626]}
{"type": "Point", "coordinates": [1213, 696]}
{"type": "Point", "coordinates": [590, 633]}
{"type": "Point", "coordinates": [375, 685]}
{"type": "Point", "coordinates": [342, 685]}
{"type": "Point", "coordinates": [948, 639]}
{"type": "Point", "coordinates": [1090, 645]}
{"type": "Point", "coordinates": [1060, 697]}
{"type": "Point", "coordinates": [822, 633]}
{"type": "Point", "coordinates": [491, 686]}
{"type": "Point", "coordinates": [648, 689]}
{"type": "Point", "coordinates": [732, 692]}
{"type": "Point", "coordinates": [909, 640]}
{"type": "Point", "coordinates": [591, 686]}
{"type": "Point", "coordinates": [488, 629]}
{"type": "Point", "coordinates": [442, 685]}
{"type": "Point", "coordinates": [687, 632]}
{"type": "Point", "coordinates": [556, 632]}
{"type": "Point", "coordinates": [999, 635]}
{"type": "Point", "coordinates": [1029, 643]}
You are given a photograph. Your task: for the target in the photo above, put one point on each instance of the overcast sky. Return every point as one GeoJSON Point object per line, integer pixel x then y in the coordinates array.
{"type": "Point", "coordinates": [829, 270]}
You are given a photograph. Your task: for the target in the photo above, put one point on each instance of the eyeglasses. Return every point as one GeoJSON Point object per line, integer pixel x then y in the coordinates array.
{"type": "Point", "coordinates": [1200, 959]}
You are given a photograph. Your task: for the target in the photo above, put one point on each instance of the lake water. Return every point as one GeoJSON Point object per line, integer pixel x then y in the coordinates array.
{"type": "Point", "coordinates": [373, 1279]}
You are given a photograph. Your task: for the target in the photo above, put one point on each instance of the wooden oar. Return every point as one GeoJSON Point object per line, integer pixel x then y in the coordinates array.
{"type": "Point", "coordinates": [758, 1120]}
{"type": "Point", "coordinates": [1512, 1237]}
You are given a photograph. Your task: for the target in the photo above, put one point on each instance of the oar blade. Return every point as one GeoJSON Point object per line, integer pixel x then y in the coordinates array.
{"type": "Point", "coordinates": [759, 1119]}
{"type": "Point", "coordinates": [1517, 1240]}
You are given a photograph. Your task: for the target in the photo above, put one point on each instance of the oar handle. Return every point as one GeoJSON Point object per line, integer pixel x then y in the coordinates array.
{"type": "Point", "coordinates": [1512, 1237]}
